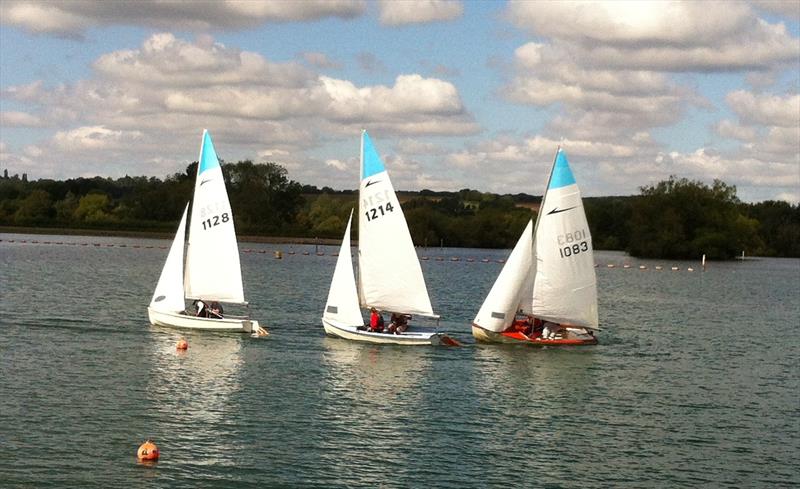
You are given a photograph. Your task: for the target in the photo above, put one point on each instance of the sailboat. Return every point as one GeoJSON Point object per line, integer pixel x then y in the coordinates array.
{"type": "Point", "coordinates": [546, 293]}
{"type": "Point", "coordinates": [389, 274]}
{"type": "Point", "coordinates": [212, 271]}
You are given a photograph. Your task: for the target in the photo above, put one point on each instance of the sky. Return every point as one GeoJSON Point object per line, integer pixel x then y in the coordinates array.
{"type": "Point", "coordinates": [455, 94]}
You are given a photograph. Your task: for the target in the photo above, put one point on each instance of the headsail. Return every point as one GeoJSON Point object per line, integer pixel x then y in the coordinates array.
{"type": "Point", "coordinates": [565, 286]}
{"type": "Point", "coordinates": [169, 296]}
{"type": "Point", "coordinates": [513, 289]}
{"type": "Point", "coordinates": [390, 276]}
{"type": "Point", "coordinates": [212, 260]}
{"type": "Point", "coordinates": [342, 306]}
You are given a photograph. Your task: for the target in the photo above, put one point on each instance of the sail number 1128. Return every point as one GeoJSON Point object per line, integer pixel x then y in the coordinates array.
{"type": "Point", "coordinates": [215, 220]}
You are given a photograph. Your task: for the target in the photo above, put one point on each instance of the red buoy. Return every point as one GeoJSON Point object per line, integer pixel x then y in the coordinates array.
{"type": "Point", "coordinates": [147, 451]}
{"type": "Point", "coordinates": [182, 344]}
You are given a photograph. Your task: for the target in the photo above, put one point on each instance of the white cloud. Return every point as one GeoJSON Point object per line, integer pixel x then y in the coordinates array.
{"type": "Point", "coordinates": [338, 164]}
{"type": "Point", "coordinates": [660, 36]}
{"type": "Point", "coordinates": [320, 60]}
{"type": "Point", "coordinates": [19, 119]}
{"type": "Point", "coordinates": [70, 18]}
{"type": "Point", "coordinates": [94, 138]}
{"type": "Point", "coordinates": [786, 8]}
{"type": "Point", "coordinates": [404, 12]}
{"type": "Point", "coordinates": [146, 106]}
{"type": "Point", "coordinates": [766, 109]}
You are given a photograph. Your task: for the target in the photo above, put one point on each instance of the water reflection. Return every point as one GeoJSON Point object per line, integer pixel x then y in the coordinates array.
{"type": "Point", "coordinates": [192, 393]}
{"type": "Point", "coordinates": [371, 398]}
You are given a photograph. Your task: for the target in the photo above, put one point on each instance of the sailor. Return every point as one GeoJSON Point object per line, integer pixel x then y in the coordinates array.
{"type": "Point", "coordinates": [549, 330]}
{"type": "Point", "coordinates": [215, 310]}
{"type": "Point", "coordinates": [375, 321]}
{"type": "Point", "coordinates": [202, 310]}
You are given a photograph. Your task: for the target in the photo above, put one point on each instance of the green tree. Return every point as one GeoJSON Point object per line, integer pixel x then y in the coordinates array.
{"type": "Point", "coordinates": [679, 218]}
{"type": "Point", "coordinates": [36, 208]}
{"type": "Point", "coordinates": [93, 208]}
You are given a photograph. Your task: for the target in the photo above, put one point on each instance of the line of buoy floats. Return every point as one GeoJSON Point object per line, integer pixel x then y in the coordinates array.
{"type": "Point", "coordinates": [278, 254]}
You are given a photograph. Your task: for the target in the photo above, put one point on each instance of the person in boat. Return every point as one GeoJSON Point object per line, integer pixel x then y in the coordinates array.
{"type": "Point", "coordinates": [375, 321]}
{"type": "Point", "coordinates": [399, 323]}
{"type": "Point", "coordinates": [524, 326]}
{"type": "Point", "coordinates": [402, 323]}
{"type": "Point", "coordinates": [549, 330]}
{"type": "Point", "coordinates": [215, 310]}
{"type": "Point", "coordinates": [202, 309]}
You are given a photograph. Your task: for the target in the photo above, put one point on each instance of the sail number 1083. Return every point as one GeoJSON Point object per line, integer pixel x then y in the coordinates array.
{"type": "Point", "coordinates": [379, 211]}
{"type": "Point", "coordinates": [573, 243]}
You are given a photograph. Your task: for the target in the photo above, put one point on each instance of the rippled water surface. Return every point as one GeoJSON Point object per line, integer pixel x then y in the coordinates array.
{"type": "Point", "coordinates": [695, 381]}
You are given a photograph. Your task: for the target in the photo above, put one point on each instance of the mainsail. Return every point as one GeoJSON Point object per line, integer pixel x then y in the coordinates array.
{"type": "Point", "coordinates": [565, 286]}
{"type": "Point", "coordinates": [390, 276]}
{"type": "Point", "coordinates": [168, 296]}
{"type": "Point", "coordinates": [213, 271]}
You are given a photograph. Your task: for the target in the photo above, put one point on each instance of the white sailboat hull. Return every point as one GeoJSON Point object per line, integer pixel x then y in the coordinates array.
{"type": "Point", "coordinates": [414, 336]}
{"type": "Point", "coordinates": [175, 320]}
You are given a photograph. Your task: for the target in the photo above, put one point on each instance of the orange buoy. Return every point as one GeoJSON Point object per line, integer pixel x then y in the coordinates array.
{"type": "Point", "coordinates": [182, 344]}
{"type": "Point", "coordinates": [147, 451]}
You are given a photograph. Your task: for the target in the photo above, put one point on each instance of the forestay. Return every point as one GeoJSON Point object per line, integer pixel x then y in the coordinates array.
{"type": "Point", "coordinates": [565, 286]}
{"type": "Point", "coordinates": [168, 296]}
{"type": "Point", "coordinates": [212, 261]}
{"type": "Point", "coordinates": [390, 276]}
{"type": "Point", "coordinates": [512, 292]}
{"type": "Point", "coordinates": [342, 306]}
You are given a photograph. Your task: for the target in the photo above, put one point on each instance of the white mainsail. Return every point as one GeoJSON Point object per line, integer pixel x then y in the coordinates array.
{"type": "Point", "coordinates": [168, 296]}
{"type": "Point", "coordinates": [565, 286]}
{"type": "Point", "coordinates": [390, 276]}
{"type": "Point", "coordinates": [213, 271]}
{"type": "Point", "coordinates": [512, 292]}
{"type": "Point", "coordinates": [342, 305]}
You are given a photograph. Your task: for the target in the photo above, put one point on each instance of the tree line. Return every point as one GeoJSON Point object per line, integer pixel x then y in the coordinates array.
{"type": "Point", "coordinates": [675, 218]}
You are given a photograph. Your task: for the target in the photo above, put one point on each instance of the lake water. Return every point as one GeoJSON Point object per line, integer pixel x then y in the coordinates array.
{"type": "Point", "coordinates": [695, 381]}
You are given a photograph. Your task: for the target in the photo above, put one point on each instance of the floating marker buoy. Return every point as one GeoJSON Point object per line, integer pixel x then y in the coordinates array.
{"type": "Point", "coordinates": [424, 258]}
{"type": "Point", "coordinates": [182, 344]}
{"type": "Point", "coordinates": [642, 267]}
{"type": "Point", "coordinates": [659, 267]}
{"type": "Point", "coordinates": [626, 265]}
{"type": "Point", "coordinates": [278, 254]}
{"type": "Point", "coordinates": [675, 269]}
{"type": "Point", "coordinates": [610, 265]}
{"type": "Point", "coordinates": [690, 269]}
{"type": "Point", "coordinates": [147, 451]}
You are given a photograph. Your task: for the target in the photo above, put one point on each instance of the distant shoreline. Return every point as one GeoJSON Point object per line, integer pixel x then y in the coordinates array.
{"type": "Point", "coordinates": [119, 233]}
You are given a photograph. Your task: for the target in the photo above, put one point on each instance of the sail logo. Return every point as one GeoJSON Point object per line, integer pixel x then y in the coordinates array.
{"type": "Point", "coordinates": [556, 210]}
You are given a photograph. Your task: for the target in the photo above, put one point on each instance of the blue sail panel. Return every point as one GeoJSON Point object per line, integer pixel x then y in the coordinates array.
{"type": "Point", "coordinates": [372, 162]}
{"type": "Point", "coordinates": [562, 175]}
{"type": "Point", "coordinates": [208, 157]}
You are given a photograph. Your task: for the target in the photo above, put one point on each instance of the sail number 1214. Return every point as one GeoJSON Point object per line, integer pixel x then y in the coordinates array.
{"type": "Point", "coordinates": [374, 212]}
